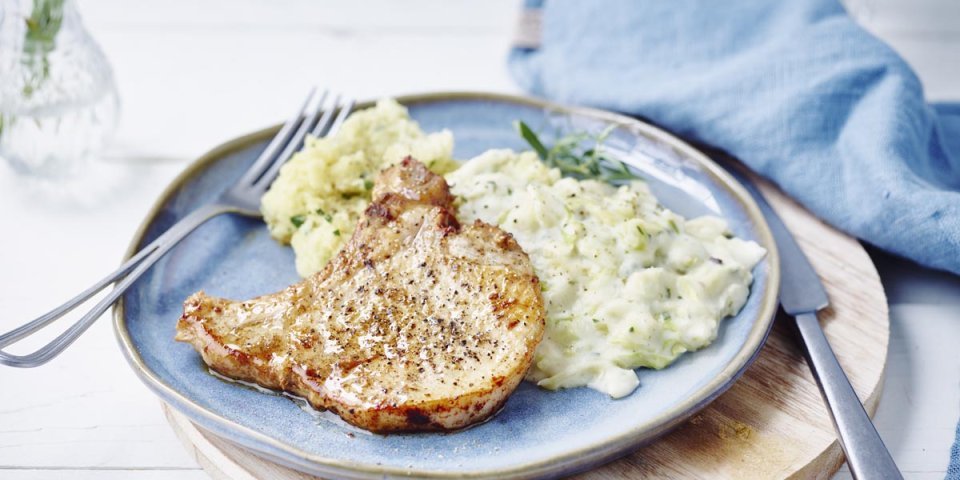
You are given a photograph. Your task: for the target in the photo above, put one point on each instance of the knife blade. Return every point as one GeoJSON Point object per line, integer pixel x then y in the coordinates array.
{"type": "Point", "coordinates": [802, 294]}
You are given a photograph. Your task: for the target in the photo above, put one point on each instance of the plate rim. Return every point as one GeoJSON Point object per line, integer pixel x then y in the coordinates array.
{"type": "Point", "coordinates": [567, 462]}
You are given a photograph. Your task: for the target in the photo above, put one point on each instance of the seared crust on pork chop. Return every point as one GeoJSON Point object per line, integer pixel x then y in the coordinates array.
{"type": "Point", "coordinates": [418, 323]}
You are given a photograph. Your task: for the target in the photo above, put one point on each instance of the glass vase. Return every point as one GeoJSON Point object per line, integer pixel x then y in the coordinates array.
{"type": "Point", "coordinates": [58, 99]}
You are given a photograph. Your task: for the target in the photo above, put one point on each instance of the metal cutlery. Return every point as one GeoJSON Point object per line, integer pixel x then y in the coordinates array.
{"type": "Point", "coordinates": [243, 197]}
{"type": "Point", "coordinates": [802, 295]}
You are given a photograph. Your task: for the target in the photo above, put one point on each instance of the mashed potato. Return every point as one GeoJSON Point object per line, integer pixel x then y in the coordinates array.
{"type": "Point", "coordinates": [320, 194]}
{"type": "Point", "coordinates": [626, 282]}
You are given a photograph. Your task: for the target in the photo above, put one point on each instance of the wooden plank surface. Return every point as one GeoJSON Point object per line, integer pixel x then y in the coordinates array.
{"type": "Point", "coordinates": [771, 424]}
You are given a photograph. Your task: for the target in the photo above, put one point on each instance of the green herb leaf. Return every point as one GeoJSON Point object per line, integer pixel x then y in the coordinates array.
{"type": "Point", "coordinates": [575, 160]}
{"type": "Point", "coordinates": [298, 220]}
{"type": "Point", "coordinates": [326, 216]}
{"type": "Point", "coordinates": [336, 232]}
{"type": "Point", "coordinates": [42, 27]}
{"type": "Point", "coordinates": [532, 139]}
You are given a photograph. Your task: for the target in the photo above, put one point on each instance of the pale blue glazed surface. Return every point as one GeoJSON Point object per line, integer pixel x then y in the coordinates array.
{"type": "Point", "coordinates": [234, 257]}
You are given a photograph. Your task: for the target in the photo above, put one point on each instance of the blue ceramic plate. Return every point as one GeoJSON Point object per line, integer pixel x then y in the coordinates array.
{"type": "Point", "coordinates": [538, 432]}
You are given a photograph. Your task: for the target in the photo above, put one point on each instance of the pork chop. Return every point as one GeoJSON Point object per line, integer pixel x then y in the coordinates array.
{"type": "Point", "coordinates": [419, 323]}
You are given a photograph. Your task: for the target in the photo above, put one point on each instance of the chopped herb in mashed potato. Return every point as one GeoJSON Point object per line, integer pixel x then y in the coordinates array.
{"type": "Point", "coordinates": [320, 194]}
{"type": "Point", "coordinates": [626, 282]}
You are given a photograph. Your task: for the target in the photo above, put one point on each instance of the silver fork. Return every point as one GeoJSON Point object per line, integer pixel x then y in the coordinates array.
{"type": "Point", "coordinates": [243, 197]}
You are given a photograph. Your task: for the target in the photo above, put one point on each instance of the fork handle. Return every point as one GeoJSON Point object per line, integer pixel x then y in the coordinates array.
{"type": "Point", "coordinates": [130, 271]}
{"type": "Point", "coordinates": [866, 454]}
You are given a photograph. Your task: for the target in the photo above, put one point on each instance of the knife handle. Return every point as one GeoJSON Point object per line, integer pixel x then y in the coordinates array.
{"type": "Point", "coordinates": [867, 456]}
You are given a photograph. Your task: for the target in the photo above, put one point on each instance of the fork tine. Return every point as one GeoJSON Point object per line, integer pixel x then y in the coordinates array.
{"type": "Point", "coordinates": [329, 125]}
{"type": "Point", "coordinates": [316, 113]}
{"type": "Point", "coordinates": [269, 176]}
{"type": "Point", "coordinates": [280, 139]}
{"type": "Point", "coordinates": [292, 145]}
{"type": "Point", "coordinates": [344, 111]}
{"type": "Point", "coordinates": [325, 119]}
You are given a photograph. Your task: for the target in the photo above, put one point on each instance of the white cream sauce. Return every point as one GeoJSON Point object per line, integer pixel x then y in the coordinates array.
{"type": "Point", "coordinates": [626, 282]}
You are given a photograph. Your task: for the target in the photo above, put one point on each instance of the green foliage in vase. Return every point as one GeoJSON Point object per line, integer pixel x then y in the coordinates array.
{"type": "Point", "coordinates": [43, 24]}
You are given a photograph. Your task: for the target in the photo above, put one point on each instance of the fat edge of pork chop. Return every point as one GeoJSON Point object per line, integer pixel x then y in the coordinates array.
{"type": "Point", "coordinates": [418, 323]}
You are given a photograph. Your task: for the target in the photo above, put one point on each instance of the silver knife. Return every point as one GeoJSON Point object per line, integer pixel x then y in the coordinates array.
{"type": "Point", "coordinates": [801, 296]}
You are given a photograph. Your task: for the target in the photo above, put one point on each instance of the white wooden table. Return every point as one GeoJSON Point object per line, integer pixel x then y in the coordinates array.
{"type": "Point", "coordinates": [192, 74]}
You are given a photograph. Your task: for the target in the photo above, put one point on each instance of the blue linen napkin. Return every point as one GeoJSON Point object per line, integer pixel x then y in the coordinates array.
{"type": "Point", "coordinates": [796, 90]}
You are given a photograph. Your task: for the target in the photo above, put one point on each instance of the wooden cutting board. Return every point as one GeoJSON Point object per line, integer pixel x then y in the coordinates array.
{"type": "Point", "coordinates": [771, 424]}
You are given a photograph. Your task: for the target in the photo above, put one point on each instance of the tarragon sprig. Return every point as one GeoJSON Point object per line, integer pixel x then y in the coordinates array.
{"type": "Point", "coordinates": [579, 155]}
